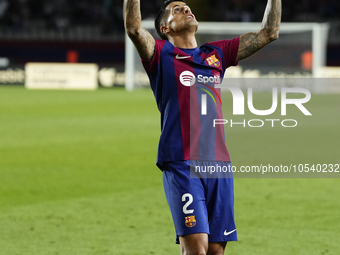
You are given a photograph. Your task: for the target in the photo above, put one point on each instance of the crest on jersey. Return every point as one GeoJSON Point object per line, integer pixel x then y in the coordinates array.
{"type": "Point", "coordinates": [190, 221]}
{"type": "Point", "coordinates": [213, 61]}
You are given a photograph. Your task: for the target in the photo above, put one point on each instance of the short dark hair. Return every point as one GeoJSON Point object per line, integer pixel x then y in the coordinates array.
{"type": "Point", "coordinates": [160, 17]}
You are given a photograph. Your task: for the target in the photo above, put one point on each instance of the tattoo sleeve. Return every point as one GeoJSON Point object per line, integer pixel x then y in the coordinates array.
{"type": "Point", "coordinates": [141, 38]}
{"type": "Point", "coordinates": [253, 42]}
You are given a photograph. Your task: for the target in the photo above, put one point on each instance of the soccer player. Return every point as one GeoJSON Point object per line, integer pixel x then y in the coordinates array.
{"type": "Point", "coordinates": [183, 78]}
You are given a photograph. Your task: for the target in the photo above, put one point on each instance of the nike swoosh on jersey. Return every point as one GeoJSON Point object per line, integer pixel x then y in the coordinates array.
{"type": "Point", "coordinates": [182, 57]}
{"type": "Point", "coordinates": [228, 233]}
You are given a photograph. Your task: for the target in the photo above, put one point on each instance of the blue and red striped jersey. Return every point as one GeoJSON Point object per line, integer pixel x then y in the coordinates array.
{"type": "Point", "coordinates": [182, 80]}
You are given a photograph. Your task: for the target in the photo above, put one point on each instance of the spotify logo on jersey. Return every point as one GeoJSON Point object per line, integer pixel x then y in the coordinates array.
{"type": "Point", "coordinates": [187, 78]}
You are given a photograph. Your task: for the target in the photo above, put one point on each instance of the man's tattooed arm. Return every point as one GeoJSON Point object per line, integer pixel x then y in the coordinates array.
{"type": "Point", "coordinates": [141, 38]}
{"type": "Point", "coordinates": [253, 42]}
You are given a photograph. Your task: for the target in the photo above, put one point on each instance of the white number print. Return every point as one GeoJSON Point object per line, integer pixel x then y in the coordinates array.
{"type": "Point", "coordinates": [185, 207]}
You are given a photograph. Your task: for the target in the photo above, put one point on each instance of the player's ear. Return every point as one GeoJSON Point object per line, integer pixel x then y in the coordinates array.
{"type": "Point", "coordinates": [165, 29]}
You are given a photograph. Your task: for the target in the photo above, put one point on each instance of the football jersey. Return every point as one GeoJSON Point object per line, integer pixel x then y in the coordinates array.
{"type": "Point", "coordinates": [183, 82]}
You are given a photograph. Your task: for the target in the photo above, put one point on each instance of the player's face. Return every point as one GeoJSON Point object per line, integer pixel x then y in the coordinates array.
{"type": "Point", "coordinates": [180, 17]}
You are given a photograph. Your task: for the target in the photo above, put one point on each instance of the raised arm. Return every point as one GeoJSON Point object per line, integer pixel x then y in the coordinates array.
{"type": "Point", "coordinates": [253, 42]}
{"type": "Point", "coordinates": [141, 38]}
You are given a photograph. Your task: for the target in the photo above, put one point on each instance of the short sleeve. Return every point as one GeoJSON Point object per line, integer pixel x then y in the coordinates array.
{"type": "Point", "coordinates": [150, 65]}
{"type": "Point", "coordinates": [229, 49]}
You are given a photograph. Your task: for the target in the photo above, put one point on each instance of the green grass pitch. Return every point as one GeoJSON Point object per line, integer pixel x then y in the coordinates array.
{"type": "Point", "coordinates": [78, 176]}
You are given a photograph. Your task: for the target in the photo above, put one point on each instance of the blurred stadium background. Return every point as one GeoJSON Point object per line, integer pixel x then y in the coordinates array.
{"type": "Point", "coordinates": [92, 32]}
{"type": "Point", "coordinates": [77, 168]}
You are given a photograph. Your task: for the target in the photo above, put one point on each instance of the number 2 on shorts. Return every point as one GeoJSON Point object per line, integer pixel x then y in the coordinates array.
{"type": "Point", "coordinates": [185, 207]}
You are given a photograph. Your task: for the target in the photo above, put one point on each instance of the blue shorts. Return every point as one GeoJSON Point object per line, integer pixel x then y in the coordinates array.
{"type": "Point", "coordinates": [200, 205]}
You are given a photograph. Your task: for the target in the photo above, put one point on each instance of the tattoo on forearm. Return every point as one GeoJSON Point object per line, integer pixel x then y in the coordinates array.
{"type": "Point", "coordinates": [132, 14]}
{"type": "Point", "coordinates": [249, 44]}
{"type": "Point", "coordinates": [253, 42]}
{"type": "Point", "coordinates": [273, 21]}
{"type": "Point", "coordinates": [142, 39]}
